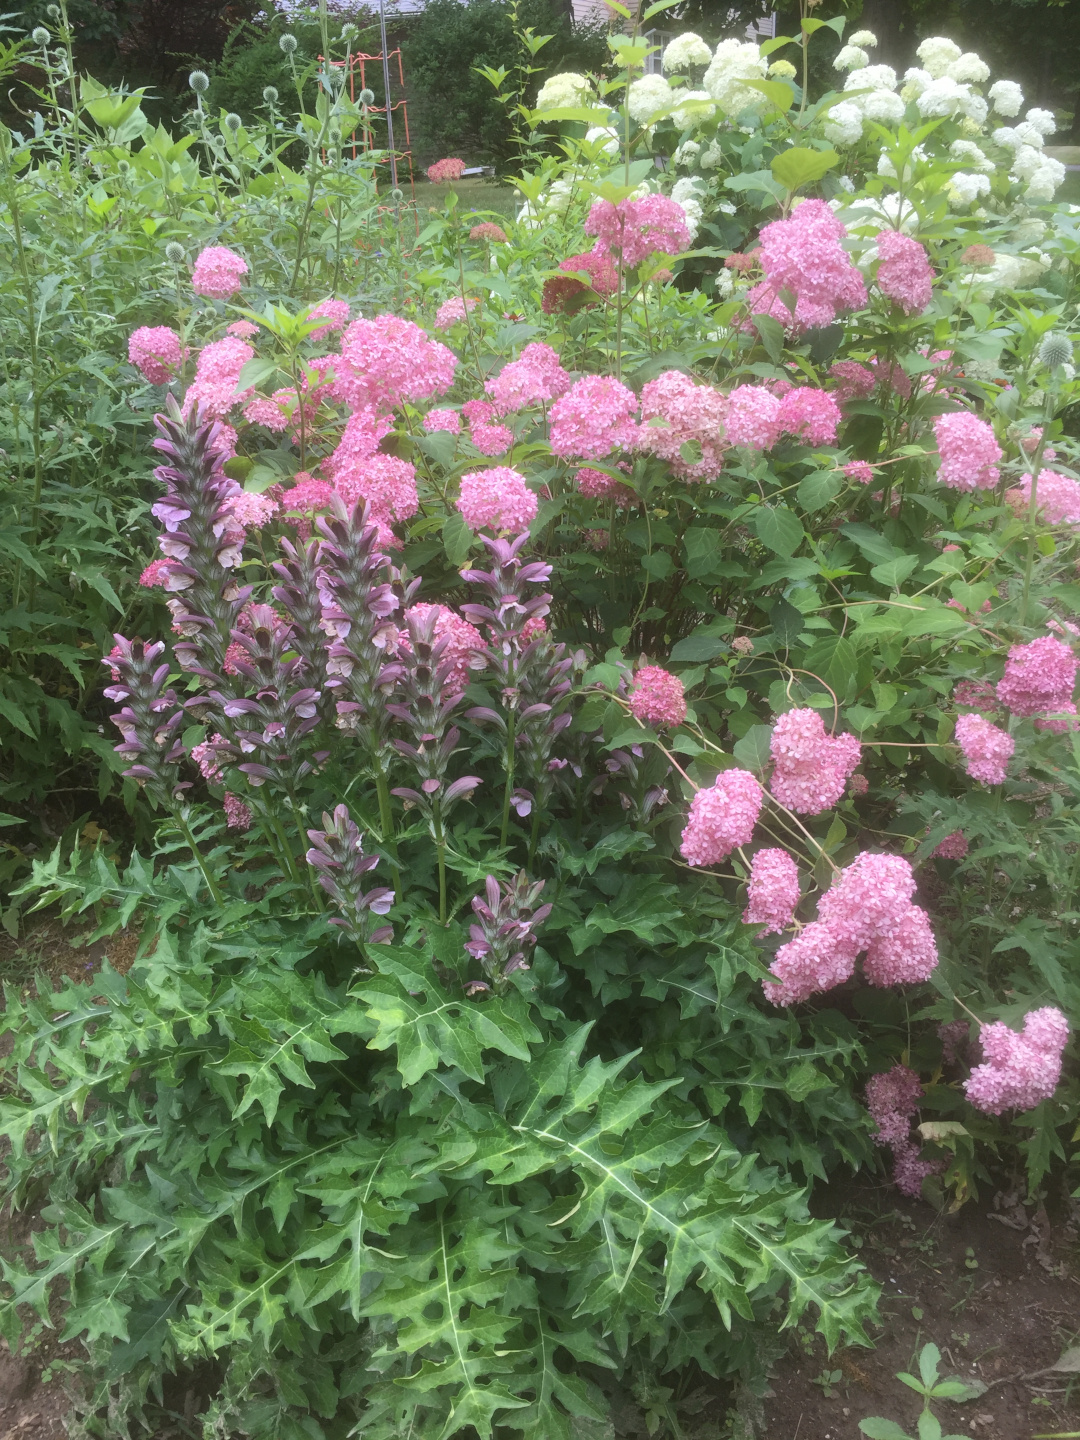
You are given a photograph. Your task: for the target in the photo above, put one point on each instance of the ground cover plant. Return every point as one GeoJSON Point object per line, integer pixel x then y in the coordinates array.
{"type": "Point", "coordinates": [602, 746]}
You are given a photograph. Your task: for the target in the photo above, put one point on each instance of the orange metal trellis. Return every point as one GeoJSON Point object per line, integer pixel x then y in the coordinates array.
{"type": "Point", "coordinates": [398, 109]}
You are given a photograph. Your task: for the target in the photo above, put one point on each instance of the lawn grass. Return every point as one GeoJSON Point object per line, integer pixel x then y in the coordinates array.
{"type": "Point", "coordinates": [479, 194]}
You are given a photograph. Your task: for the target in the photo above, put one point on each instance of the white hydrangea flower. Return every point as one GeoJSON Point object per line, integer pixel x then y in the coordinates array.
{"type": "Point", "coordinates": [1030, 134]}
{"type": "Point", "coordinates": [647, 97]}
{"type": "Point", "coordinates": [725, 284]}
{"type": "Point", "coordinates": [966, 152]}
{"type": "Point", "coordinates": [690, 194]}
{"type": "Point", "coordinates": [1045, 179]}
{"type": "Point", "coordinates": [1043, 121]}
{"type": "Point", "coordinates": [937, 54]}
{"type": "Point", "coordinates": [685, 50]}
{"type": "Point", "coordinates": [685, 116]}
{"type": "Point", "coordinates": [883, 106]}
{"type": "Point", "coordinates": [865, 38]}
{"type": "Point", "coordinates": [686, 154]}
{"type": "Point", "coordinates": [844, 124]}
{"type": "Point", "coordinates": [873, 77]}
{"type": "Point", "coordinates": [712, 157]}
{"type": "Point", "coordinates": [974, 108]}
{"type": "Point", "coordinates": [1007, 137]}
{"type": "Point", "coordinates": [1010, 272]}
{"type": "Point", "coordinates": [733, 62]}
{"type": "Point", "coordinates": [727, 208]}
{"type": "Point", "coordinates": [969, 69]}
{"type": "Point", "coordinates": [886, 212]}
{"type": "Point", "coordinates": [886, 167]}
{"type": "Point", "coordinates": [1006, 97]}
{"type": "Point", "coordinates": [915, 82]}
{"type": "Point", "coordinates": [605, 137]}
{"type": "Point", "coordinates": [965, 187]}
{"type": "Point", "coordinates": [846, 183]}
{"type": "Point", "coordinates": [1026, 161]}
{"type": "Point", "coordinates": [851, 57]}
{"type": "Point", "coordinates": [562, 91]}
{"type": "Point", "coordinates": [942, 97]}
{"type": "Point", "coordinates": [782, 70]}
{"type": "Point", "coordinates": [1029, 232]}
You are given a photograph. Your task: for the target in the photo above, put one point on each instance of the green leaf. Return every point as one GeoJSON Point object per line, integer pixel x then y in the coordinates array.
{"type": "Point", "coordinates": [893, 573]}
{"type": "Point", "coordinates": [752, 749]}
{"type": "Point", "coordinates": [778, 92]}
{"type": "Point", "coordinates": [878, 1429]}
{"type": "Point", "coordinates": [777, 527]}
{"type": "Point", "coordinates": [457, 539]}
{"type": "Point", "coordinates": [254, 373]}
{"type": "Point", "coordinates": [799, 166]}
{"type": "Point", "coordinates": [817, 490]}
{"type": "Point", "coordinates": [771, 333]}
{"type": "Point", "coordinates": [786, 621]}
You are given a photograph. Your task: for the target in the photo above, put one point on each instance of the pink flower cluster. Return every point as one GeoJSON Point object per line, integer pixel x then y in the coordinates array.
{"type": "Point", "coordinates": [687, 413]}
{"type": "Point", "coordinates": [445, 170]}
{"type": "Point", "coordinates": [261, 411]}
{"type": "Point", "coordinates": [1039, 679]}
{"type": "Point", "coordinates": [593, 418]}
{"type": "Point", "coordinates": [1056, 496]}
{"type": "Point", "coordinates": [596, 485]}
{"type": "Point", "coordinates": [464, 644]}
{"type": "Point", "coordinates": [869, 909]}
{"type": "Point", "coordinates": [218, 272]}
{"type": "Point", "coordinates": [334, 314]}
{"type": "Point", "coordinates": [721, 818]}
{"type": "Point", "coordinates": [388, 484]}
{"type": "Point", "coordinates": [856, 381]}
{"type": "Point", "coordinates": [448, 420]}
{"type": "Point", "coordinates": [658, 698]}
{"type": "Point", "coordinates": [387, 360]}
{"type": "Point", "coordinates": [892, 1099]}
{"type": "Point", "coordinates": [861, 471]}
{"type": "Point", "coordinates": [216, 372]}
{"type": "Point", "coordinates": [987, 750]}
{"type": "Point", "coordinates": [489, 439]}
{"type": "Point", "coordinates": [534, 378]}
{"type": "Point", "coordinates": [156, 353]}
{"type": "Point", "coordinates": [953, 847]}
{"type": "Point", "coordinates": [243, 329]}
{"type": "Point", "coordinates": [810, 768]}
{"type": "Point", "coordinates": [773, 892]}
{"type": "Point", "coordinates": [251, 510]}
{"type": "Point", "coordinates": [453, 310]}
{"type": "Point", "coordinates": [237, 815]}
{"type": "Point", "coordinates": [757, 418]}
{"type": "Point", "coordinates": [1019, 1070]}
{"type": "Point", "coordinates": [804, 254]}
{"type": "Point", "coordinates": [975, 695]}
{"type": "Point", "coordinates": [904, 272]}
{"type": "Point", "coordinates": [636, 229]}
{"type": "Point", "coordinates": [498, 500]}
{"type": "Point", "coordinates": [596, 263]}
{"type": "Point", "coordinates": [969, 453]}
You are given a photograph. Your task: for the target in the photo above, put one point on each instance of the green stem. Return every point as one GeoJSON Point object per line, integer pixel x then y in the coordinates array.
{"type": "Point", "coordinates": [508, 788]}
{"type": "Point", "coordinates": [440, 850]}
{"type": "Point", "coordinates": [1033, 505]}
{"type": "Point", "coordinates": [189, 840]}
{"type": "Point", "coordinates": [386, 821]}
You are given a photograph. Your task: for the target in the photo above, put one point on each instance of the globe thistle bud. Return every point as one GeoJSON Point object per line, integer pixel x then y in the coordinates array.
{"type": "Point", "coordinates": [1055, 350]}
{"type": "Point", "coordinates": [122, 167]}
{"type": "Point", "coordinates": [287, 44]}
{"type": "Point", "coordinates": [53, 12]}
{"type": "Point", "coordinates": [366, 97]}
{"type": "Point", "coordinates": [39, 35]}
{"type": "Point", "coordinates": [233, 121]}
{"type": "Point", "coordinates": [174, 253]}
{"type": "Point", "coordinates": [199, 81]}
{"type": "Point", "coordinates": [270, 95]}
{"type": "Point", "coordinates": [349, 32]}
{"type": "Point", "coordinates": [397, 196]}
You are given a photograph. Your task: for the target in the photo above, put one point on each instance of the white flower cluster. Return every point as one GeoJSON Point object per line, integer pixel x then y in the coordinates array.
{"type": "Point", "coordinates": [647, 98]}
{"type": "Point", "coordinates": [563, 91]}
{"type": "Point", "coordinates": [694, 107]}
{"type": "Point", "coordinates": [1041, 173]}
{"type": "Point", "coordinates": [686, 50]}
{"type": "Point", "coordinates": [735, 62]}
{"type": "Point", "coordinates": [690, 193]}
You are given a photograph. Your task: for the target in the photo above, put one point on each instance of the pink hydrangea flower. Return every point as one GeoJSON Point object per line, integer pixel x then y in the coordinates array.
{"type": "Point", "coordinates": [252, 510]}
{"type": "Point", "coordinates": [637, 229]}
{"type": "Point", "coordinates": [386, 483]}
{"type": "Point", "coordinates": [953, 847]}
{"type": "Point", "coordinates": [861, 471]}
{"type": "Point", "coordinates": [721, 818]}
{"type": "Point", "coordinates": [237, 815]}
{"type": "Point", "coordinates": [156, 352]}
{"type": "Point", "coordinates": [904, 272]}
{"type": "Point", "coordinates": [207, 756]}
{"type": "Point", "coordinates": [856, 381]}
{"type": "Point", "coordinates": [773, 892]}
{"type": "Point", "coordinates": [596, 485]}
{"type": "Point", "coordinates": [446, 170]}
{"type": "Point", "coordinates": [597, 264]}
{"type": "Point", "coordinates": [157, 572]}
{"type": "Point", "coordinates": [892, 1099]}
{"type": "Point", "coordinates": [658, 698]}
{"type": "Point", "coordinates": [904, 954]}
{"type": "Point", "coordinates": [813, 962]}
{"type": "Point", "coordinates": [448, 420]}
{"type": "Point", "coordinates": [243, 329]}
{"type": "Point", "coordinates": [810, 768]}
{"type": "Point", "coordinates": [216, 372]}
{"type": "Point", "coordinates": [533, 379]}
{"type": "Point", "coordinates": [465, 650]}
{"type": "Point", "coordinates": [975, 695]}
{"type": "Point", "coordinates": [804, 254]}
{"type": "Point", "coordinates": [1057, 497]}
{"type": "Point", "coordinates": [891, 375]}
{"type": "Point", "coordinates": [334, 313]}
{"type": "Point", "coordinates": [261, 411]}
{"type": "Point", "coordinates": [969, 453]}
{"type": "Point", "coordinates": [488, 230]}
{"type": "Point", "coordinates": [491, 439]}
{"type": "Point", "coordinates": [218, 272]}
{"type": "Point", "coordinates": [453, 310]}
{"type": "Point", "coordinates": [478, 412]}
{"type": "Point", "coordinates": [533, 629]}
{"type": "Point", "coordinates": [986, 749]}
{"type": "Point", "coordinates": [498, 500]}
{"type": "Point", "coordinates": [752, 417]}
{"type": "Point", "coordinates": [1019, 1070]}
{"type": "Point", "coordinates": [386, 360]}
{"type": "Point", "coordinates": [683, 412]}
{"type": "Point", "coordinates": [593, 418]}
{"type": "Point", "coordinates": [1039, 677]}
{"type": "Point", "coordinates": [809, 415]}
{"type": "Point", "coordinates": [307, 495]}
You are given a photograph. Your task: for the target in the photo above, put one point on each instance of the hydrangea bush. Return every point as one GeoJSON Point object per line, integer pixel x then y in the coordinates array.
{"type": "Point", "coordinates": [612, 763]}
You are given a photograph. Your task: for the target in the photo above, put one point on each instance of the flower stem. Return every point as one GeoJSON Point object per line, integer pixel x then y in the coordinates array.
{"type": "Point", "coordinates": [508, 788]}
{"type": "Point", "coordinates": [189, 840]}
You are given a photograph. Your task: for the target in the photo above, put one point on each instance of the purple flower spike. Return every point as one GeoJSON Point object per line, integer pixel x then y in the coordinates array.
{"type": "Point", "coordinates": [337, 854]}
{"type": "Point", "coordinates": [149, 718]}
{"type": "Point", "coordinates": [505, 937]}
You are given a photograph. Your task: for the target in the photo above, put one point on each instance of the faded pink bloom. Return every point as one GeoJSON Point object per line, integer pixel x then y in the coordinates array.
{"type": "Point", "coordinates": [910, 1170]}
{"type": "Point", "coordinates": [218, 273]}
{"type": "Point", "coordinates": [954, 1040]}
{"type": "Point", "coordinates": [810, 768]}
{"type": "Point", "coordinates": [953, 847]}
{"type": "Point", "coordinates": [773, 892]}
{"type": "Point", "coordinates": [237, 814]}
{"type": "Point", "coordinates": [1057, 497]}
{"type": "Point", "coordinates": [533, 379]}
{"type": "Point", "coordinates": [386, 360]}
{"type": "Point", "coordinates": [465, 650]}
{"type": "Point", "coordinates": [498, 500]}
{"type": "Point", "coordinates": [856, 381]}
{"type": "Point", "coordinates": [596, 539]}
{"type": "Point", "coordinates": [637, 229]}
{"type": "Point", "coordinates": [596, 485]}
{"type": "Point", "coordinates": [809, 415]}
{"type": "Point", "coordinates": [804, 255]}
{"type": "Point", "coordinates": [335, 314]}
{"type": "Point", "coordinates": [597, 264]}
{"type": "Point", "coordinates": [860, 471]}
{"type": "Point", "coordinates": [216, 372]}
{"type": "Point", "coordinates": [252, 510]}
{"type": "Point", "coordinates": [1019, 1070]}
{"type": "Point", "coordinates": [904, 272]}
{"type": "Point", "coordinates": [975, 695]}
{"type": "Point", "coordinates": [158, 572]}
{"type": "Point", "coordinates": [892, 1100]}
{"type": "Point", "coordinates": [658, 698]}
{"type": "Point", "coordinates": [446, 170]}
{"type": "Point", "coordinates": [261, 411]}
{"type": "Point", "coordinates": [448, 420]}
{"type": "Point", "coordinates": [488, 230]}
{"type": "Point", "coordinates": [721, 818]}
{"type": "Point", "coordinates": [986, 749]}
{"type": "Point", "coordinates": [676, 411]}
{"type": "Point", "coordinates": [1039, 677]}
{"type": "Point", "coordinates": [593, 418]}
{"type": "Point", "coordinates": [969, 453]}
{"type": "Point", "coordinates": [742, 645]}
{"type": "Point", "coordinates": [892, 376]}
{"type": "Point", "coordinates": [243, 329]}
{"type": "Point", "coordinates": [453, 310]}
{"type": "Point", "coordinates": [752, 417]}
{"type": "Point", "coordinates": [156, 352]}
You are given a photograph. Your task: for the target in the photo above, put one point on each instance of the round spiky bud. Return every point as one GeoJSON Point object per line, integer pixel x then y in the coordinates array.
{"type": "Point", "coordinates": [270, 95]}
{"type": "Point", "coordinates": [367, 97]}
{"type": "Point", "coordinates": [287, 44]}
{"type": "Point", "coordinates": [199, 81]}
{"type": "Point", "coordinates": [174, 253]}
{"type": "Point", "coordinates": [233, 121]}
{"type": "Point", "coordinates": [53, 12]}
{"type": "Point", "coordinates": [39, 35]}
{"type": "Point", "coordinates": [397, 196]}
{"type": "Point", "coordinates": [349, 32]}
{"type": "Point", "coordinates": [1055, 350]}
{"type": "Point", "coordinates": [122, 167]}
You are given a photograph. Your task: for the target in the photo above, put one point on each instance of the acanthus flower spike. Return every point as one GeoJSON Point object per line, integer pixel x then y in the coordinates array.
{"type": "Point", "coordinates": [504, 939]}
{"type": "Point", "coordinates": [337, 856]}
{"type": "Point", "coordinates": [149, 718]}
